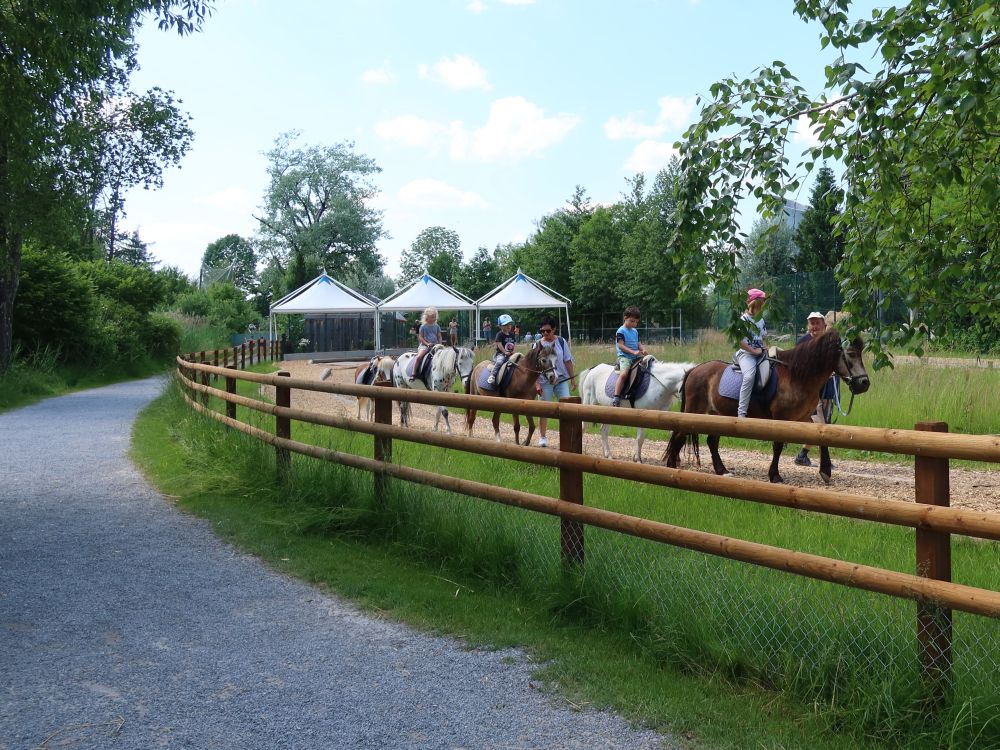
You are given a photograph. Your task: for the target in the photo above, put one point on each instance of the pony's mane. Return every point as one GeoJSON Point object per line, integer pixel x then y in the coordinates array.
{"type": "Point", "coordinates": [818, 354]}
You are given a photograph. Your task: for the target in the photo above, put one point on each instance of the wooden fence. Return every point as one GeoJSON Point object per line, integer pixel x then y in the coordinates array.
{"type": "Point", "coordinates": [934, 522]}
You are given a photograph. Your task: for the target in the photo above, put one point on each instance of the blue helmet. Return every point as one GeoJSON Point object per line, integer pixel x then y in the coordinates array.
{"type": "Point", "coordinates": [504, 320]}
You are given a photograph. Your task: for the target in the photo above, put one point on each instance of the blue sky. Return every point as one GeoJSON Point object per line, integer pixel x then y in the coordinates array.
{"type": "Point", "coordinates": [482, 114]}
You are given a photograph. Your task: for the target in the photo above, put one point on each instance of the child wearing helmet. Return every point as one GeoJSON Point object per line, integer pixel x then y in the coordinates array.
{"type": "Point", "coordinates": [504, 344]}
{"type": "Point", "coordinates": [752, 347]}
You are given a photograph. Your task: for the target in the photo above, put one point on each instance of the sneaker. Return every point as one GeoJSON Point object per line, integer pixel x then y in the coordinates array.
{"type": "Point", "coordinates": [616, 401]}
{"type": "Point", "coordinates": [802, 459]}
{"type": "Point", "coordinates": [543, 442]}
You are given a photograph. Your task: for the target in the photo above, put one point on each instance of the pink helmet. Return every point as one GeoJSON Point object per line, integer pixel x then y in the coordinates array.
{"type": "Point", "coordinates": [753, 294]}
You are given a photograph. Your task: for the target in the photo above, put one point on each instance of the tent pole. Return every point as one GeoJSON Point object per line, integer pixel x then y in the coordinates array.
{"type": "Point", "coordinates": [378, 337]}
{"type": "Point", "coordinates": [569, 333]}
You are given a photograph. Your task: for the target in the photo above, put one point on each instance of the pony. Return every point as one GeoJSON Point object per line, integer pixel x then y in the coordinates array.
{"type": "Point", "coordinates": [664, 386]}
{"type": "Point", "coordinates": [540, 360]}
{"type": "Point", "coordinates": [382, 374]}
{"type": "Point", "coordinates": [445, 365]}
{"type": "Point", "coordinates": [800, 372]}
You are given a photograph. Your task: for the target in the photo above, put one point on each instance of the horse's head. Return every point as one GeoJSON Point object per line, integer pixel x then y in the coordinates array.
{"type": "Point", "coordinates": [545, 360]}
{"type": "Point", "coordinates": [443, 368]}
{"type": "Point", "coordinates": [465, 360]}
{"type": "Point", "coordinates": [851, 365]}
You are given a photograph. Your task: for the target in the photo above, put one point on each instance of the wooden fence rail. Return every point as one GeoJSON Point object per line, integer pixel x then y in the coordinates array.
{"type": "Point", "coordinates": [936, 595]}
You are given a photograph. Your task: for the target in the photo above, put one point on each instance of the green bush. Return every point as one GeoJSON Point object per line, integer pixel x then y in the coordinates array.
{"type": "Point", "coordinates": [54, 304]}
{"type": "Point", "coordinates": [222, 305]}
{"type": "Point", "coordinates": [164, 336]}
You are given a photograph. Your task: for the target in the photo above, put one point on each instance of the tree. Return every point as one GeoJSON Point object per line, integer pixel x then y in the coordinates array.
{"type": "Point", "coordinates": [596, 263]}
{"type": "Point", "coordinates": [547, 255]}
{"type": "Point", "coordinates": [54, 61]}
{"type": "Point", "coordinates": [233, 258]}
{"type": "Point", "coordinates": [434, 246]}
{"type": "Point", "coordinates": [480, 275]}
{"type": "Point", "coordinates": [925, 118]}
{"type": "Point", "coordinates": [770, 251]}
{"type": "Point", "coordinates": [316, 206]}
{"type": "Point", "coordinates": [818, 238]}
{"type": "Point", "coordinates": [132, 139]}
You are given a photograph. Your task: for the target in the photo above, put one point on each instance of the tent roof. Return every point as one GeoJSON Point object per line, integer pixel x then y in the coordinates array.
{"type": "Point", "coordinates": [521, 291]}
{"type": "Point", "coordinates": [322, 295]}
{"type": "Point", "coordinates": [427, 292]}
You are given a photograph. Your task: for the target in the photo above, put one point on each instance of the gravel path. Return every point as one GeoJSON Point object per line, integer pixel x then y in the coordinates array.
{"type": "Point", "coordinates": [972, 489]}
{"type": "Point", "coordinates": [126, 624]}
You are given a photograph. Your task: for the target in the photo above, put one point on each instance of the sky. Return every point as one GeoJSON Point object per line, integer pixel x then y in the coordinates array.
{"type": "Point", "coordinates": [483, 115]}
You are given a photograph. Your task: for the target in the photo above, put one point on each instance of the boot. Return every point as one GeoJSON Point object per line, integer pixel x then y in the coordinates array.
{"type": "Point", "coordinates": [802, 459]}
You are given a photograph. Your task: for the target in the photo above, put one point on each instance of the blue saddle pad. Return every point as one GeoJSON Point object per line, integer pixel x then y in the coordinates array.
{"type": "Point", "coordinates": [484, 379]}
{"type": "Point", "coordinates": [638, 389]}
{"type": "Point", "coordinates": [732, 379]}
{"type": "Point", "coordinates": [425, 365]}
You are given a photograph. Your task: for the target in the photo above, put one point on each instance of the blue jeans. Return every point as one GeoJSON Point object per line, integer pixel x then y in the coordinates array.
{"type": "Point", "coordinates": [561, 390]}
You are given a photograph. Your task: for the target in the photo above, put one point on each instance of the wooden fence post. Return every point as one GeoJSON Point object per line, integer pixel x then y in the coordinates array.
{"type": "Point", "coordinates": [204, 381]}
{"type": "Point", "coordinates": [231, 388]}
{"type": "Point", "coordinates": [571, 486]}
{"type": "Point", "coordinates": [283, 427]}
{"type": "Point", "coordinates": [243, 355]}
{"type": "Point", "coordinates": [383, 445]}
{"type": "Point", "coordinates": [934, 622]}
{"type": "Point", "coordinates": [215, 362]}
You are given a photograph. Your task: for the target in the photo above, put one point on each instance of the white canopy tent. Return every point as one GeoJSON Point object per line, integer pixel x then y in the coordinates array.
{"type": "Point", "coordinates": [521, 292]}
{"type": "Point", "coordinates": [324, 294]}
{"type": "Point", "coordinates": [425, 292]}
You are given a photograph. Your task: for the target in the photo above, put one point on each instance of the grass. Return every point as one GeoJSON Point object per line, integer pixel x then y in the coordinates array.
{"type": "Point", "coordinates": [683, 642]}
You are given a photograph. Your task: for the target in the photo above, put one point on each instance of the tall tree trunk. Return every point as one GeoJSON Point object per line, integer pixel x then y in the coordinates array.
{"type": "Point", "coordinates": [10, 275]}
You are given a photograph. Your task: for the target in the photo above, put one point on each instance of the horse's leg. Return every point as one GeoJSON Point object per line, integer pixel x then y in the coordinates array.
{"type": "Point", "coordinates": [531, 429]}
{"type": "Point", "coordinates": [713, 446]}
{"type": "Point", "coordinates": [496, 426]}
{"type": "Point", "coordinates": [404, 414]}
{"type": "Point", "coordinates": [470, 419]}
{"type": "Point", "coordinates": [517, 428]}
{"type": "Point", "coordinates": [604, 440]}
{"type": "Point", "coordinates": [673, 451]}
{"type": "Point", "coordinates": [640, 438]}
{"type": "Point", "coordinates": [772, 473]}
{"type": "Point", "coordinates": [443, 411]}
{"type": "Point", "coordinates": [825, 467]}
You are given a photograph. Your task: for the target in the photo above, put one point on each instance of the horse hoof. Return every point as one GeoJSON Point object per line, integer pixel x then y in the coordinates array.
{"type": "Point", "coordinates": [777, 480]}
{"type": "Point", "coordinates": [824, 477]}
{"type": "Point", "coordinates": [727, 474]}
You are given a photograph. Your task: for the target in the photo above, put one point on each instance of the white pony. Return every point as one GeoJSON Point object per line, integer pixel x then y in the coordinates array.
{"type": "Point", "coordinates": [447, 364]}
{"type": "Point", "coordinates": [383, 374]}
{"type": "Point", "coordinates": [665, 383]}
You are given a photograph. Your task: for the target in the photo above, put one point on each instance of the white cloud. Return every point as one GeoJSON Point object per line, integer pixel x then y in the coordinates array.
{"type": "Point", "coordinates": [650, 156]}
{"type": "Point", "coordinates": [234, 197]}
{"type": "Point", "coordinates": [459, 72]}
{"type": "Point", "coordinates": [805, 132]}
{"type": "Point", "coordinates": [476, 6]}
{"type": "Point", "coordinates": [411, 130]}
{"type": "Point", "coordinates": [380, 76]}
{"type": "Point", "coordinates": [674, 114]}
{"type": "Point", "coordinates": [516, 128]}
{"type": "Point", "coordinates": [430, 193]}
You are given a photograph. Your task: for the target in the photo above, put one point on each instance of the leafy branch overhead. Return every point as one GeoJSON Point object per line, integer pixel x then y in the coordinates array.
{"type": "Point", "coordinates": [911, 110]}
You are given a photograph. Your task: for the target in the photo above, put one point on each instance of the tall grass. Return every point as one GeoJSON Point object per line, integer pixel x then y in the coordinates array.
{"type": "Point", "coordinates": [849, 654]}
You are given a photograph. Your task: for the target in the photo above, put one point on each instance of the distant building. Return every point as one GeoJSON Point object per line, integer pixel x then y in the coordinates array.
{"type": "Point", "coordinates": [792, 213]}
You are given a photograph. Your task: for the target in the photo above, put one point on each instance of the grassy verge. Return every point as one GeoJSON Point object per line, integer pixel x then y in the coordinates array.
{"type": "Point", "coordinates": [726, 655]}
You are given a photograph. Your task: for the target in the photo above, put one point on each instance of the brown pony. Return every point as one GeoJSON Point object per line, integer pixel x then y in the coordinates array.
{"type": "Point", "coordinates": [540, 360]}
{"type": "Point", "coordinates": [801, 372]}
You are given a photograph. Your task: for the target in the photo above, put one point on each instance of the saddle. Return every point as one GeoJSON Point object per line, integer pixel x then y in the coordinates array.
{"type": "Point", "coordinates": [763, 369]}
{"type": "Point", "coordinates": [636, 380]}
{"type": "Point", "coordinates": [504, 374]}
{"type": "Point", "coordinates": [368, 375]}
{"type": "Point", "coordinates": [425, 366]}
{"type": "Point", "coordinates": [763, 390]}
